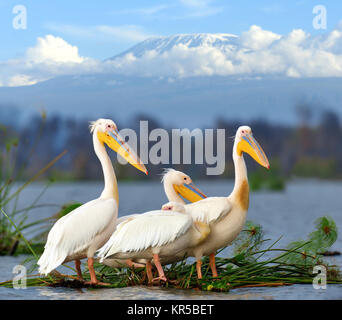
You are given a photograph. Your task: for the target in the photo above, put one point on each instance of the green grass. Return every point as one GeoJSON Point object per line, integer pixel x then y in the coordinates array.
{"type": "Point", "coordinates": [11, 175]}
{"type": "Point", "coordinates": [316, 167]}
{"type": "Point", "coordinates": [256, 262]}
{"type": "Point", "coordinates": [267, 179]}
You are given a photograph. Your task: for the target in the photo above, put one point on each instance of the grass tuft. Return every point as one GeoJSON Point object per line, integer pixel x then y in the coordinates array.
{"type": "Point", "coordinates": [248, 266]}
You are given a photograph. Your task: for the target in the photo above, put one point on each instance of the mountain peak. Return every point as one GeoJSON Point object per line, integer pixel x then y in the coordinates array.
{"type": "Point", "coordinates": [165, 43]}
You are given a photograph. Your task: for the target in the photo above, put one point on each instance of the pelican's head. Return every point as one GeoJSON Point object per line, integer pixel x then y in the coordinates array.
{"type": "Point", "coordinates": [174, 206]}
{"type": "Point", "coordinates": [183, 185]}
{"type": "Point", "coordinates": [107, 133]}
{"type": "Point", "coordinates": [175, 177]}
{"type": "Point", "coordinates": [103, 125]}
{"type": "Point", "coordinates": [245, 142]}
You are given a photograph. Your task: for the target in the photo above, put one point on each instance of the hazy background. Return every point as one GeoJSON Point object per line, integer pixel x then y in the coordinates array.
{"type": "Point", "coordinates": [189, 64]}
{"type": "Point", "coordinates": [306, 149]}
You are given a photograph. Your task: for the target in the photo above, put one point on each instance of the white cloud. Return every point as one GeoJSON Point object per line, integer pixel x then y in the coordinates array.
{"type": "Point", "coordinates": [255, 53]}
{"type": "Point", "coordinates": [256, 38]}
{"type": "Point", "coordinates": [180, 61]}
{"type": "Point", "coordinates": [52, 49]}
{"type": "Point", "coordinates": [50, 57]}
{"type": "Point", "coordinates": [20, 80]}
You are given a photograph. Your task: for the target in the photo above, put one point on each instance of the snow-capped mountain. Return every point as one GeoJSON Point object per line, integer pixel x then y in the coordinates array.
{"type": "Point", "coordinates": [222, 41]}
{"type": "Point", "coordinates": [193, 80]}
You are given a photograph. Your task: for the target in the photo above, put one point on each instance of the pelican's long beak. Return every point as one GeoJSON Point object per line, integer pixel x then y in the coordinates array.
{"type": "Point", "coordinates": [190, 192]}
{"type": "Point", "coordinates": [114, 141]}
{"type": "Point", "coordinates": [249, 145]}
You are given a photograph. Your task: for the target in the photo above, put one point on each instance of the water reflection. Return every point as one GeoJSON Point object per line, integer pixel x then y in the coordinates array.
{"type": "Point", "coordinates": [290, 213]}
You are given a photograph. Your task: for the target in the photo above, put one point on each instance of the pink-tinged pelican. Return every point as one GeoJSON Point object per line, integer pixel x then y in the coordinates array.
{"type": "Point", "coordinates": [177, 184]}
{"type": "Point", "coordinates": [174, 183]}
{"type": "Point", "coordinates": [79, 234]}
{"type": "Point", "coordinates": [154, 235]}
{"type": "Point", "coordinates": [226, 216]}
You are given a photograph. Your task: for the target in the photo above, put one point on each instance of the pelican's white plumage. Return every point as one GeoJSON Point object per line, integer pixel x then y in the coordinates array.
{"type": "Point", "coordinates": [209, 210]}
{"type": "Point", "coordinates": [223, 217]}
{"type": "Point", "coordinates": [177, 183]}
{"type": "Point", "coordinates": [153, 235]}
{"type": "Point", "coordinates": [171, 179]}
{"type": "Point", "coordinates": [152, 229]}
{"type": "Point", "coordinates": [79, 234]}
{"type": "Point", "coordinates": [226, 216]}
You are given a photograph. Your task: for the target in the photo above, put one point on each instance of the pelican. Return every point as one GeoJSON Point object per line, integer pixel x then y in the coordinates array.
{"type": "Point", "coordinates": [226, 216]}
{"type": "Point", "coordinates": [175, 183]}
{"type": "Point", "coordinates": [79, 234]}
{"type": "Point", "coordinates": [153, 235]}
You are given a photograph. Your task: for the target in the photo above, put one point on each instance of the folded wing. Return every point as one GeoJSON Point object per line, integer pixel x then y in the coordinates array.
{"type": "Point", "coordinates": [89, 220]}
{"type": "Point", "coordinates": [210, 209]}
{"type": "Point", "coordinates": [148, 230]}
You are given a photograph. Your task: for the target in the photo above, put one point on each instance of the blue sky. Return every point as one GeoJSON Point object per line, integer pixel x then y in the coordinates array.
{"type": "Point", "coordinates": [101, 29]}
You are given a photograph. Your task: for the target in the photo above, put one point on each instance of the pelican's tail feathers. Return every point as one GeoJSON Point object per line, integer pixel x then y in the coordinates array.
{"type": "Point", "coordinates": [49, 261]}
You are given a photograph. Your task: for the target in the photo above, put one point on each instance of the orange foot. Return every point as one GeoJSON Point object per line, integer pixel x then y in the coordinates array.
{"type": "Point", "coordinates": [162, 278]}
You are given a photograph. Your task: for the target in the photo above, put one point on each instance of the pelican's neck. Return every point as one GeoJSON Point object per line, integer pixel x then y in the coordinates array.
{"type": "Point", "coordinates": [241, 188]}
{"type": "Point", "coordinates": [171, 193]}
{"type": "Point", "coordinates": [111, 185]}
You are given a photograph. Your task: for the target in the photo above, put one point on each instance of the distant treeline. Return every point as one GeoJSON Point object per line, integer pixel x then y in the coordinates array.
{"type": "Point", "coordinates": [305, 150]}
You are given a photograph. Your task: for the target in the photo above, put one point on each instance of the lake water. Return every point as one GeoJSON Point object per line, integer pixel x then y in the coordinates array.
{"type": "Point", "coordinates": [290, 214]}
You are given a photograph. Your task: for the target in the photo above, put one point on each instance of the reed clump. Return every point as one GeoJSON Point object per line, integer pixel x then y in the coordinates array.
{"type": "Point", "coordinates": [271, 180]}
{"type": "Point", "coordinates": [255, 262]}
{"type": "Point", "coordinates": [11, 188]}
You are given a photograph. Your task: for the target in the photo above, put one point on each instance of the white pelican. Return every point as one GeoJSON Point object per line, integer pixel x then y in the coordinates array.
{"type": "Point", "coordinates": [174, 183]}
{"type": "Point", "coordinates": [153, 235]}
{"type": "Point", "coordinates": [83, 231]}
{"type": "Point", "coordinates": [225, 215]}
{"type": "Point", "coordinates": [177, 183]}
